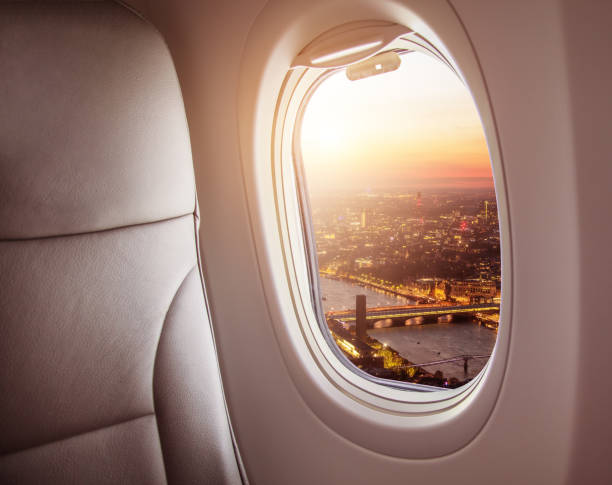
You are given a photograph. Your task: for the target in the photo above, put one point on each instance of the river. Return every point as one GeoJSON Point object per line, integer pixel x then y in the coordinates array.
{"type": "Point", "coordinates": [418, 343]}
{"type": "Point", "coordinates": [340, 295]}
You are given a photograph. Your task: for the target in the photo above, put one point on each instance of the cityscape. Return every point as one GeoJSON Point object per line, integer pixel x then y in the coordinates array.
{"type": "Point", "coordinates": [434, 259]}
{"type": "Point", "coordinates": [405, 222]}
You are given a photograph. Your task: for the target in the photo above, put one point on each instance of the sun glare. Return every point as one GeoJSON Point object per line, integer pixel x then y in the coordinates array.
{"type": "Point", "coordinates": [418, 122]}
{"type": "Point", "coordinates": [327, 137]}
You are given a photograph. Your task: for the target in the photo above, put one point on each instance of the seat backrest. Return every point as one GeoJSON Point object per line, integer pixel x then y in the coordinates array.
{"type": "Point", "coordinates": [108, 372]}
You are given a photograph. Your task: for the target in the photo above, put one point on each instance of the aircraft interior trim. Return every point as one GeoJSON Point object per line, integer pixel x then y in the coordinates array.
{"type": "Point", "coordinates": [162, 318]}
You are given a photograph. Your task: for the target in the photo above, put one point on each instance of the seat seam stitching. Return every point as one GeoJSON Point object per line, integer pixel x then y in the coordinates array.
{"type": "Point", "coordinates": [70, 437]}
{"type": "Point", "coordinates": [97, 231]}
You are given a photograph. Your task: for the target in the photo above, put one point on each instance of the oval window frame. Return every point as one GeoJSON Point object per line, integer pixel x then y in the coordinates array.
{"type": "Point", "coordinates": [352, 405]}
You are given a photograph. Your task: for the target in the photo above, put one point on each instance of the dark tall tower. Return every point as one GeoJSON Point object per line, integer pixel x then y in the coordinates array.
{"type": "Point", "coordinates": [361, 329]}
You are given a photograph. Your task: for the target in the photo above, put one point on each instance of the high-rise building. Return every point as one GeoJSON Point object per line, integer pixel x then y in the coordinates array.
{"type": "Point", "coordinates": [361, 326]}
{"type": "Point", "coordinates": [363, 218]}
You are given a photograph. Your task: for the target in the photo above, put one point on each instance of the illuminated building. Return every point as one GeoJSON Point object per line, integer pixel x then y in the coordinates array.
{"type": "Point", "coordinates": [473, 291]}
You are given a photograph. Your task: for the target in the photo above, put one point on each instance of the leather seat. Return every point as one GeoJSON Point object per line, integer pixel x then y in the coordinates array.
{"type": "Point", "coordinates": [108, 372]}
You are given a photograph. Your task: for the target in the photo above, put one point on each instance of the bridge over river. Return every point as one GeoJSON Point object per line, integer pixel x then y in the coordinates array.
{"type": "Point", "coordinates": [409, 311]}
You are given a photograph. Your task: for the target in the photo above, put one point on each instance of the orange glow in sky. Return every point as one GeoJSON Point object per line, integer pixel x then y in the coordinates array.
{"type": "Point", "coordinates": [416, 127]}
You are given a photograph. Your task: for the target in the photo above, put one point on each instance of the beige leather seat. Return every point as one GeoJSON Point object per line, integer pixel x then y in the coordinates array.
{"type": "Point", "coordinates": [108, 372]}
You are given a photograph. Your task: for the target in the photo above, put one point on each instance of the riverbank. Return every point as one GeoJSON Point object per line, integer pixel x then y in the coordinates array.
{"type": "Point", "coordinates": [430, 343]}
{"type": "Point", "coordinates": [382, 360]}
{"type": "Point", "coordinates": [369, 284]}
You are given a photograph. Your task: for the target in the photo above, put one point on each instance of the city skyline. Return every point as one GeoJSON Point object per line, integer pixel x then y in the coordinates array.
{"type": "Point", "coordinates": [430, 254]}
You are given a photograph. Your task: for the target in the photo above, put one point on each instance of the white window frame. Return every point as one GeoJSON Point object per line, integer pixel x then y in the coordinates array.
{"type": "Point", "coordinates": [384, 418]}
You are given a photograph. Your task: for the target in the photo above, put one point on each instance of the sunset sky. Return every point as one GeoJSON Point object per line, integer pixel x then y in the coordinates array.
{"type": "Point", "coordinates": [416, 127]}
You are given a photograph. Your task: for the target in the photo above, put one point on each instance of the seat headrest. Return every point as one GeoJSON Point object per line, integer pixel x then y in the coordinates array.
{"type": "Point", "coordinates": [93, 132]}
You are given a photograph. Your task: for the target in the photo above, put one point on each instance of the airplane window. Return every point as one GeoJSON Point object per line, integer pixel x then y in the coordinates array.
{"type": "Point", "coordinates": [403, 216]}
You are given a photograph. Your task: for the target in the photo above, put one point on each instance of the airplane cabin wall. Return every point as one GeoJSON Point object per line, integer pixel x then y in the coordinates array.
{"type": "Point", "coordinates": [547, 71]}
